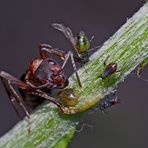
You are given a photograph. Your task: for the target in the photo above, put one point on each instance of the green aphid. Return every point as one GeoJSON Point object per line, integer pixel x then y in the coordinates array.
{"type": "Point", "coordinates": [82, 42]}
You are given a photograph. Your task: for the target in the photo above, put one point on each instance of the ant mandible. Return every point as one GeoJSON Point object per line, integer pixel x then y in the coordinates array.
{"type": "Point", "coordinates": [42, 76]}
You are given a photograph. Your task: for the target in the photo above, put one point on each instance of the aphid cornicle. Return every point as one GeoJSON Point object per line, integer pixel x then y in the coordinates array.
{"type": "Point", "coordinates": [80, 43]}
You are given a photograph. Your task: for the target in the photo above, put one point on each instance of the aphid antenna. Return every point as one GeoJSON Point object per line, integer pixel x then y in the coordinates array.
{"type": "Point", "coordinates": [104, 112]}
{"type": "Point", "coordinates": [134, 75]}
{"type": "Point", "coordinates": [143, 79]}
{"type": "Point", "coordinates": [92, 38]}
{"type": "Point", "coordinates": [83, 126]}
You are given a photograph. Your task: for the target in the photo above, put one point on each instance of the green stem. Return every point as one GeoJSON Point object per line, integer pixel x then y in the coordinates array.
{"type": "Point", "coordinates": [128, 48]}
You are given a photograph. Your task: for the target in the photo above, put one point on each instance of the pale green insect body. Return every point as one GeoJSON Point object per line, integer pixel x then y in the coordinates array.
{"type": "Point", "coordinates": [82, 43]}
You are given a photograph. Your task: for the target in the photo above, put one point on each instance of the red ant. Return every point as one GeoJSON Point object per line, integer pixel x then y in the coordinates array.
{"type": "Point", "coordinates": [42, 76]}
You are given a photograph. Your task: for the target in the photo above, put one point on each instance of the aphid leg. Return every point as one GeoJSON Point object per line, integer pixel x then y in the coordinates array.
{"type": "Point", "coordinates": [92, 38]}
{"type": "Point", "coordinates": [104, 112]}
{"type": "Point", "coordinates": [9, 83]}
{"type": "Point", "coordinates": [70, 55]}
{"type": "Point", "coordinates": [138, 74]}
{"type": "Point", "coordinates": [83, 126]}
{"type": "Point", "coordinates": [139, 71]}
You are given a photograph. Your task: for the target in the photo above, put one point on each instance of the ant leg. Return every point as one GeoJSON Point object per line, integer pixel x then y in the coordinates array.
{"type": "Point", "coordinates": [94, 49]}
{"type": "Point", "coordinates": [45, 96]}
{"type": "Point", "coordinates": [26, 79]}
{"type": "Point", "coordinates": [70, 55]}
{"type": "Point", "coordinates": [9, 82]}
{"type": "Point", "coordinates": [12, 99]}
{"type": "Point", "coordinates": [45, 50]}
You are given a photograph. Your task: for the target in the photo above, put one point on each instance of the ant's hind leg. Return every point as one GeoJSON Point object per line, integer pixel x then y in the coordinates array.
{"type": "Point", "coordinates": [9, 83]}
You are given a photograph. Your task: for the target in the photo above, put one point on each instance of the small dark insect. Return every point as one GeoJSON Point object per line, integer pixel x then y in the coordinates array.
{"type": "Point", "coordinates": [80, 43]}
{"type": "Point", "coordinates": [109, 101]}
{"type": "Point", "coordinates": [110, 69]}
{"type": "Point", "coordinates": [43, 75]}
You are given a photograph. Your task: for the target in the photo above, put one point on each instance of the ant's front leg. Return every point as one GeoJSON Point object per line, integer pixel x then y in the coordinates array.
{"type": "Point", "coordinates": [9, 83]}
{"type": "Point", "coordinates": [46, 49]}
{"type": "Point", "coordinates": [40, 93]}
{"type": "Point", "coordinates": [70, 55]}
{"type": "Point", "coordinates": [26, 79]}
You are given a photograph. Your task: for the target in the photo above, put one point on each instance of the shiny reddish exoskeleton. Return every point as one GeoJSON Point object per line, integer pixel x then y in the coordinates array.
{"type": "Point", "coordinates": [42, 76]}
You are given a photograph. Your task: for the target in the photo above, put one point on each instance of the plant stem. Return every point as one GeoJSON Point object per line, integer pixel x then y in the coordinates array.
{"type": "Point", "coordinates": [128, 48]}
